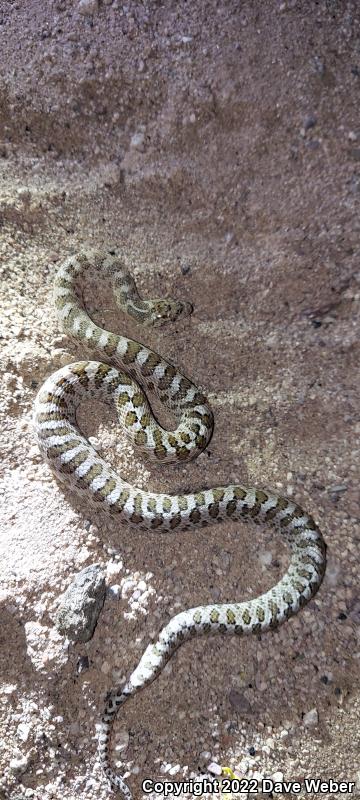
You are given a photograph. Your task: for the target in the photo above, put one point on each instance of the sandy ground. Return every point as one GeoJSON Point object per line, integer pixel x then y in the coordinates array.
{"type": "Point", "coordinates": [217, 144]}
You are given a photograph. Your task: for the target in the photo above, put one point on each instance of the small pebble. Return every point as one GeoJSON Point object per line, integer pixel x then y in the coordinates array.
{"type": "Point", "coordinates": [137, 141]}
{"type": "Point", "coordinates": [311, 718]}
{"type": "Point", "coordinates": [277, 776]}
{"type": "Point", "coordinates": [88, 7]}
{"type": "Point", "coordinates": [214, 769]}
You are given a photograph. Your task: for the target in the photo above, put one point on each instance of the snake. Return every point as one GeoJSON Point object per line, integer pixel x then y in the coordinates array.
{"type": "Point", "coordinates": [127, 366]}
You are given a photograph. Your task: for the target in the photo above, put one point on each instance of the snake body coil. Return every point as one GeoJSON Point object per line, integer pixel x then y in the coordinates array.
{"type": "Point", "coordinates": [77, 465]}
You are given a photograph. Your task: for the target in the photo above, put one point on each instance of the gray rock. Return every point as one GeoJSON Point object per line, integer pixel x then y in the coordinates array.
{"type": "Point", "coordinates": [81, 604]}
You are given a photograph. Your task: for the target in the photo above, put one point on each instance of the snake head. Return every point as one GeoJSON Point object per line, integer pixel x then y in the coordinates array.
{"type": "Point", "coordinates": [169, 310]}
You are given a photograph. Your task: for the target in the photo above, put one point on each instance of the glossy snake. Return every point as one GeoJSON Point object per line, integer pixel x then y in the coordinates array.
{"type": "Point", "coordinates": [77, 465]}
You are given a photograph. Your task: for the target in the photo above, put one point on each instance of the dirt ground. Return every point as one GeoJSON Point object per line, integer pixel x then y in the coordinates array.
{"type": "Point", "coordinates": [217, 144]}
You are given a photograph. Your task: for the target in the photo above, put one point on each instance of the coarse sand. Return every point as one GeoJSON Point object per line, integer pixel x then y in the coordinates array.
{"type": "Point", "coordinates": [217, 144]}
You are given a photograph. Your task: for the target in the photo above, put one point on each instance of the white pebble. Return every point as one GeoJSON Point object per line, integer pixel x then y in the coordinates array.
{"type": "Point", "coordinates": [137, 141]}
{"type": "Point", "coordinates": [88, 7]}
{"type": "Point", "coordinates": [311, 718]}
{"type": "Point", "coordinates": [23, 730]}
{"type": "Point", "coordinates": [277, 776]}
{"type": "Point", "coordinates": [19, 764]}
{"type": "Point", "coordinates": [214, 768]}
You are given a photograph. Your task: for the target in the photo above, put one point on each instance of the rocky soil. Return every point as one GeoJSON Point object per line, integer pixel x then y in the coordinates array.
{"type": "Point", "coordinates": [217, 144]}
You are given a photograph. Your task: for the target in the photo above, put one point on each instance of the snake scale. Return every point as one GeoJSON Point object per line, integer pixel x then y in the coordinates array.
{"type": "Point", "coordinates": [129, 365]}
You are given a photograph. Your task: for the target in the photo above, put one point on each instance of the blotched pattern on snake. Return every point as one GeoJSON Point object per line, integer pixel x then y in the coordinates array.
{"type": "Point", "coordinates": [117, 379]}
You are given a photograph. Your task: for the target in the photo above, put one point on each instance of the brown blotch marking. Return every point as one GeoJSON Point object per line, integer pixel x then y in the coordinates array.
{"type": "Point", "coordinates": [231, 507]}
{"type": "Point", "coordinates": [303, 543]}
{"type": "Point", "coordinates": [214, 510]}
{"type": "Point", "coordinates": [195, 515]}
{"type": "Point", "coordinates": [207, 627]}
{"type": "Point", "coordinates": [176, 520]}
{"type": "Point", "coordinates": [207, 420]}
{"type": "Point", "coordinates": [69, 388]}
{"type": "Point", "coordinates": [200, 442]}
{"type": "Point", "coordinates": [199, 399]}
{"type": "Point", "coordinates": [199, 499]}
{"type": "Point", "coordinates": [58, 449]}
{"type": "Point", "coordinates": [287, 597]}
{"type": "Point", "coordinates": [182, 502]}
{"type": "Point", "coordinates": [81, 374]}
{"type": "Point", "coordinates": [285, 521]}
{"type": "Point", "coordinates": [271, 513]}
{"type": "Point", "coordinates": [260, 613]}
{"type": "Point", "coordinates": [304, 573]}
{"type": "Point", "coordinates": [239, 493]}
{"type": "Point", "coordinates": [126, 380]}
{"type": "Point", "coordinates": [282, 503]}
{"type": "Point", "coordinates": [140, 438]}
{"type": "Point", "coordinates": [145, 421]}
{"type": "Point", "coordinates": [298, 512]}
{"type": "Point", "coordinates": [136, 518]}
{"type": "Point", "coordinates": [63, 282]}
{"type": "Point", "coordinates": [101, 372]}
{"type": "Point", "coordinates": [76, 461]}
{"type": "Point", "coordinates": [166, 504]}
{"type": "Point", "coordinates": [151, 504]}
{"type": "Point", "coordinates": [238, 629]}
{"type": "Point", "coordinates": [138, 399]}
{"type": "Point", "coordinates": [138, 503]}
{"type": "Point", "coordinates": [218, 495]}
{"type": "Point", "coordinates": [152, 361]}
{"type": "Point", "coordinates": [157, 436]}
{"type": "Point", "coordinates": [60, 302]}
{"type": "Point", "coordinates": [246, 617]}
{"type": "Point", "coordinates": [167, 378]}
{"type": "Point", "coordinates": [92, 473]}
{"type": "Point", "coordinates": [312, 525]}
{"type": "Point", "coordinates": [261, 497]}
{"type": "Point", "coordinates": [157, 522]}
{"type": "Point", "coordinates": [130, 419]}
{"type": "Point", "coordinates": [274, 608]}
{"type": "Point", "coordinates": [194, 427]}
{"type": "Point", "coordinates": [108, 487]}
{"type": "Point", "coordinates": [132, 351]}
{"type": "Point", "coordinates": [302, 601]}
{"type": "Point", "coordinates": [230, 617]}
{"type": "Point", "coordinates": [64, 431]}
{"type": "Point", "coordinates": [124, 496]}
{"type": "Point", "coordinates": [256, 627]}
{"type": "Point", "coordinates": [182, 452]}
{"type": "Point", "coordinates": [172, 440]}
{"type": "Point", "coordinates": [160, 451]}
{"type": "Point", "coordinates": [185, 437]}
{"type": "Point", "coordinates": [48, 416]}
{"type": "Point", "coordinates": [111, 345]}
{"type": "Point", "coordinates": [297, 585]}
{"type": "Point", "coordinates": [197, 415]}
{"type": "Point", "coordinates": [254, 510]}
{"type": "Point", "coordinates": [122, 399]}
{"type": "Point", "coordinates": [214, 615]}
